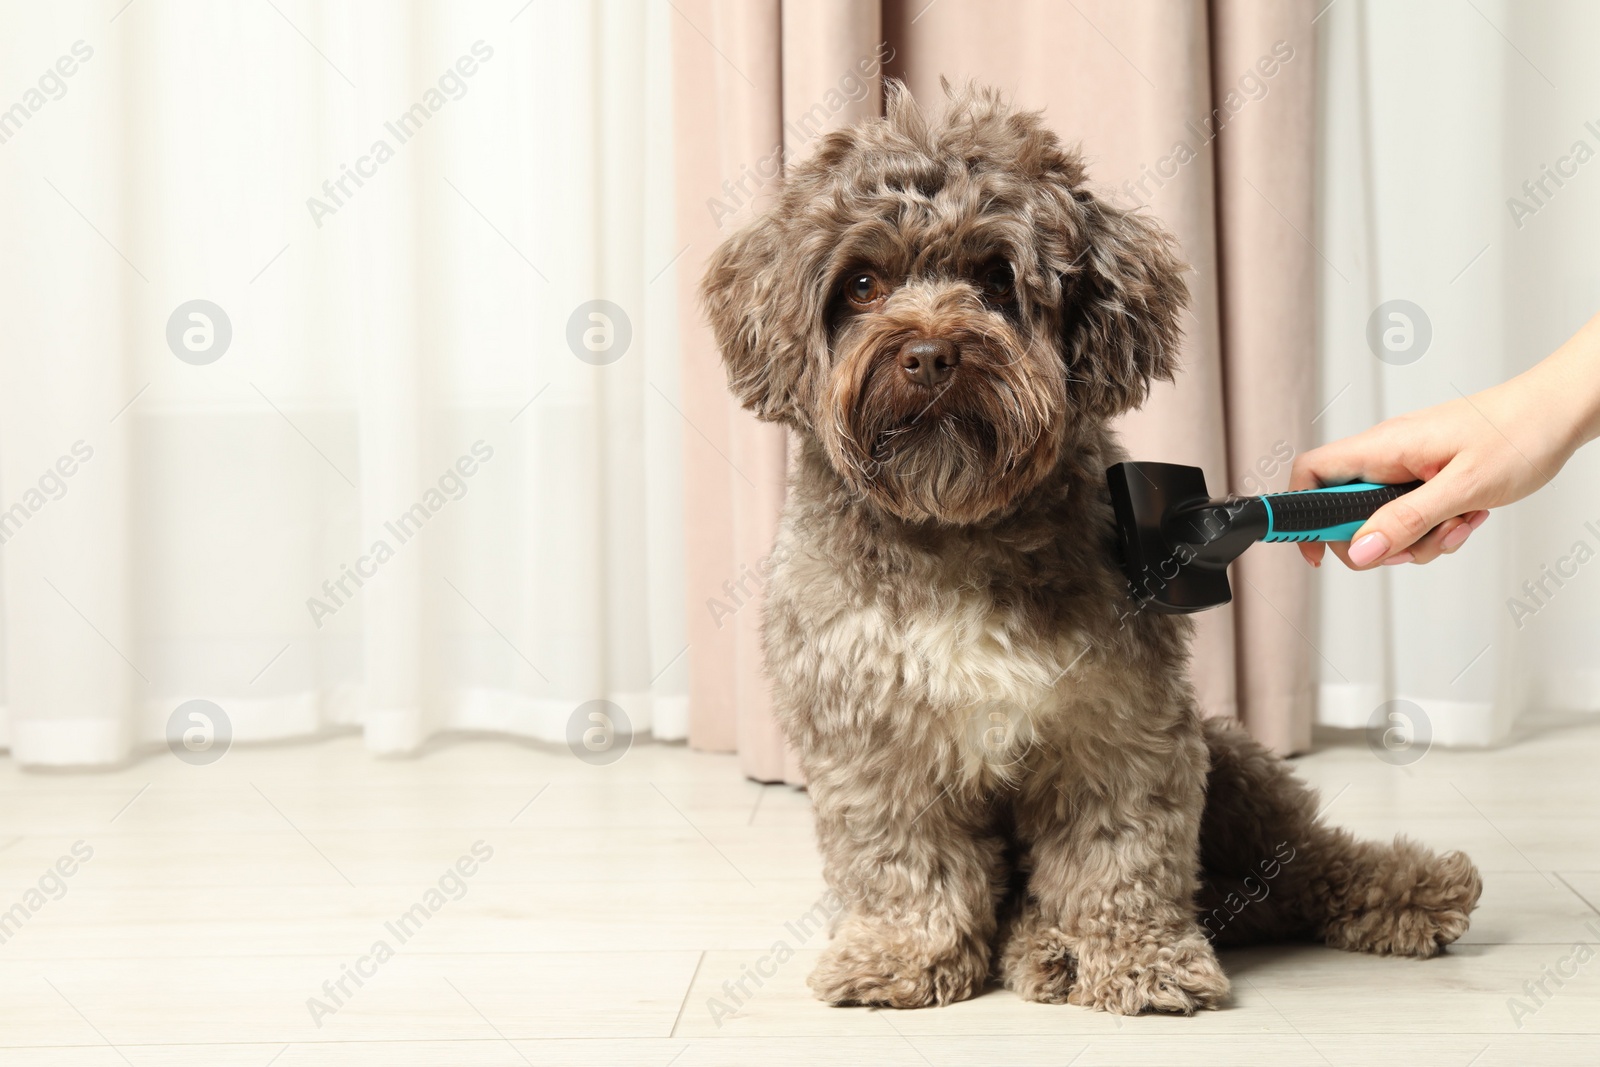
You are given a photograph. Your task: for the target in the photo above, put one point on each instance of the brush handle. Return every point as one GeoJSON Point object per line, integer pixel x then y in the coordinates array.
{"type": "Point", "coordinates": [1333, 513]}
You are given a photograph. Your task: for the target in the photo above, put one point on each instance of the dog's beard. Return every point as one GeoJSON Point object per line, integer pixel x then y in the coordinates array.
{"type": "Point", "coordinates": [957, 453]}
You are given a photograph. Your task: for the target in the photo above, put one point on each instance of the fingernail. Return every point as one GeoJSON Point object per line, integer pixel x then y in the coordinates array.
{"type": "Point", "coordinates": [1398, 557]}
{"type": "Point", "coordinates": [1368, 549]}
{"type": "Point", "coordinates": [1478, 520]}
{"type": "Point", "coordinates": [1457, 537]}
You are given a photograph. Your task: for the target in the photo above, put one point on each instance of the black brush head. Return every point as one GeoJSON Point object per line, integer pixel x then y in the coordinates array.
{"type": "Point", "coordinates": [1163, 513]}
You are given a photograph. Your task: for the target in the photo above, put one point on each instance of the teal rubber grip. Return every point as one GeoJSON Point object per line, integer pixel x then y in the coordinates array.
{"type": "Point", "coordinates": [1332, 513]}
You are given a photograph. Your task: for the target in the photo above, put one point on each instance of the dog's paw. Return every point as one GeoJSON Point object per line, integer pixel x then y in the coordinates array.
{"type": "Point", "coordinates": [1178, 978]}
{"type": "Point", "coordinates": [871, 971]}
{"type": "Point", "coordinates": [1039, 966]}
{"type": "Point", "coordinates": [1409, 903]}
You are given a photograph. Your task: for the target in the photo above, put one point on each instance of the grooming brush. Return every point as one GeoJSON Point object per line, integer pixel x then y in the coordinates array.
{"type": "Point", "coordinates": [1177, 542]}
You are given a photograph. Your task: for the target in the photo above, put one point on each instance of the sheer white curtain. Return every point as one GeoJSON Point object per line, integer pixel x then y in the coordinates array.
{"type": "Point", "coordinates": [1434, 116]}
{"type": "Point", "coordinates": [399, 499]}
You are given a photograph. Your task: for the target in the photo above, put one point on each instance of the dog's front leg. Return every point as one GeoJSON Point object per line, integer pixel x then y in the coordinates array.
{"type": "Point", "coordinates": [1109, 921]}
{"type": "Point", "coordinates": [916, 870]}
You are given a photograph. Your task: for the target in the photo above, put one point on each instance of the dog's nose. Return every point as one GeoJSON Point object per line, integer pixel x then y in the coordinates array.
{"type": "Point", "coordinates": [929, 361]}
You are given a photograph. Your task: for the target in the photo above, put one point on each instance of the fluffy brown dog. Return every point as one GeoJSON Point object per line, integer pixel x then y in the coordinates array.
{"type": "Point", "coordinates": [1009, 771]}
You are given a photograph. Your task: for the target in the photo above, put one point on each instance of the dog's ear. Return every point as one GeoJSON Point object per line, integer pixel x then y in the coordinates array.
{"type": "Point", "coordinates": [749, 298]}
{"type": "Point", "coordinates": [1122, 297]}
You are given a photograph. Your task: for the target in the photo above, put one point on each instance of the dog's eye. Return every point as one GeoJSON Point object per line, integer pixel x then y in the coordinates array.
{"type": "Point", "coordinates": [864, 289]}
{"type": "Point", "coordinates": [999, 285]}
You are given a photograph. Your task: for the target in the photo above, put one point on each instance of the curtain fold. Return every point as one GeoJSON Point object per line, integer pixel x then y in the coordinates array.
{"type": "Point", "coordinates": [1268, 272]}
{"type": "Point", "coordinates": [434, 480]}
{"type": "Point", "coordinates": [1439, 223]}
{"type": "Point", "coordinates": [724, 81]}
{"type": "Point", "coordinates": [1201, 114]}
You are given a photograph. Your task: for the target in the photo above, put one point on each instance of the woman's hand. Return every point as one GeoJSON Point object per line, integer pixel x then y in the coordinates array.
{"type": "Point", "coordinates": [1472, 453]}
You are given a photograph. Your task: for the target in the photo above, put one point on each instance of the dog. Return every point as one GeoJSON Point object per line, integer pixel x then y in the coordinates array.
{"type": "Point", "coordinates": [1010, 774]}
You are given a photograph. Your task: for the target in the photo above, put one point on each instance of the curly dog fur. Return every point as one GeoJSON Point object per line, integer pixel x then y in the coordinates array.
{"type": "Point", "coordinates": [1010, 774]}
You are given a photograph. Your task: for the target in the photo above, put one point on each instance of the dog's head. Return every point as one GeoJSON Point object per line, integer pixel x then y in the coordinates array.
{"type": "Point", "coordinates": [944, 306]}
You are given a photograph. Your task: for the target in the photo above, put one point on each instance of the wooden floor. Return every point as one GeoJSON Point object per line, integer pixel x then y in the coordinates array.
{"type": "Point", "coordinates": [622, 907]}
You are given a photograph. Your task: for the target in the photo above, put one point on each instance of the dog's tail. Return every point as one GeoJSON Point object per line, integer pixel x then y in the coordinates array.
{"type": "Point", "coordinates": [1273, 871]}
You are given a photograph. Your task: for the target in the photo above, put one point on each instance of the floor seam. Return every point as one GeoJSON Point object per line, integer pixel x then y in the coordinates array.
{"type": "Point", "coordinates": [1574, 891]}
{"type": "Point", "coordinates": [687, 990]}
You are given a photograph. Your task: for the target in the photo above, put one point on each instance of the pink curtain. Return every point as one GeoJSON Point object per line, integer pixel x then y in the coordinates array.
{"type": "Point", "coordinates": [1203, 112]}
